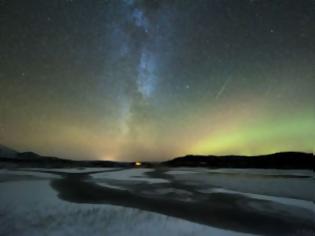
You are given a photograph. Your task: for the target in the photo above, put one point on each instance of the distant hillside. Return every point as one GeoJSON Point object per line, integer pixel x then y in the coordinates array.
{"type": "Point", "coordinates": [10, 158]}
{"type": "Point", "coordinates": [283, 160]}
{"type": "Point", "coordinates": [7, 152]}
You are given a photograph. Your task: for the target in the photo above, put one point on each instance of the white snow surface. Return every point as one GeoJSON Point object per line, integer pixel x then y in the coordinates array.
{"type": "Point", "coordinates": [263, 172]}
{"type": "Point", "coordinates": [287, 201]}
{"type": "Point", "coordinates": [24, 213]}
{"type": "Point", "coordinates": [249, 181]}
{"type": "Point", "coordinates": [27, 173]}
{"type": "Point", "coordinates": [135, 174]}
{"type": "Point", "coordinates": [76, 170]}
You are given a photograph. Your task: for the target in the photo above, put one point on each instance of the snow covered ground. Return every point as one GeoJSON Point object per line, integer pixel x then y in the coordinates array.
{"type": "Point", "coordinates": [297, 184]}
{"type": "Point", "coordinates": [32, 201]}
{"type": "Point", "coordinates": [31, 208]}
{"type": "Point", "coordinates": [130, 175]}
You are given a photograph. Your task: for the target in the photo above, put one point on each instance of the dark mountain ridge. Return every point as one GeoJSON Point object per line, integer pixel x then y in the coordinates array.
{"type": "Point", "coordinates": [281, 160]}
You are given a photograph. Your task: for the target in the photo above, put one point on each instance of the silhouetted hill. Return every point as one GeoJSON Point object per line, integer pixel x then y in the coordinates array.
{"type": "Point", "coordinates": [29, 155]}
{"type": "Point", "coordinates": [7, 152]}
{"type": "Point", "coordinates": [11, 158]}
{"type": "Point", "coordinates": [282, 160]}
{"type": "Point", "coordinates": [54, 162]}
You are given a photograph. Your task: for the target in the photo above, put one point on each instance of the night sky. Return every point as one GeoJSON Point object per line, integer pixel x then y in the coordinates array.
{"type": "Point", "coordinates": [151, 80]}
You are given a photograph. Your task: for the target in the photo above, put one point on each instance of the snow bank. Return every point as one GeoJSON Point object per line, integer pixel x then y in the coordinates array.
{"type": "Point", "coordinates": [287, 201]}
{"type": "Point", "coordinates": [25, 174]}
{"type": "Point", "coordinates": [137, 174]}
{"type": "Point", "coordinates": [74, 170]}
{"type": "Point", "coordinates": [292, 187]}
{"type": "Point", "coordinates": [266, 172]}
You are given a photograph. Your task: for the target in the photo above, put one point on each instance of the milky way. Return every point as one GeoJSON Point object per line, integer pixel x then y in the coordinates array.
{"type": "Point", "coordinates": [150, 80]}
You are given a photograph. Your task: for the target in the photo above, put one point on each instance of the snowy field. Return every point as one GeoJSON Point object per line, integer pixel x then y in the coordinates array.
{"type": "Point", "coordinates": [142, 201]}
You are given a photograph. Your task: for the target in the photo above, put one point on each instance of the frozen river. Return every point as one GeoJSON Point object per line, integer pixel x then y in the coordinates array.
{"type": "Point", "coordinates": [143, 201]}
